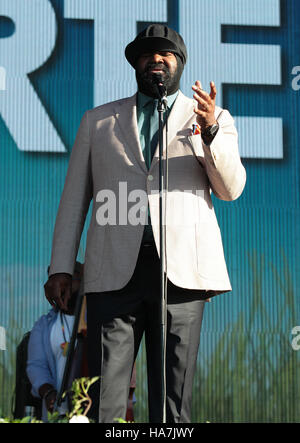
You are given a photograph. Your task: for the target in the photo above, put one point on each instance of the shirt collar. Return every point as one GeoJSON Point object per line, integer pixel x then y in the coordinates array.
{"type": "Point", "coordinates": [143, 99]}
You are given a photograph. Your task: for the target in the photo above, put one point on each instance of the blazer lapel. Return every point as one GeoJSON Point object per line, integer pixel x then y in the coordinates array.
{"type": "Point", "coordinates": [125, 111]}
{"type": "Point", "coordinates": [182, 111]}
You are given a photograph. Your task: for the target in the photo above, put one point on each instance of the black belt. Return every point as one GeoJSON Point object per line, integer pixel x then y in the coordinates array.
{"type": "Point", "coordinates": [148, 244]}
{"type": "Point", "coordinates": [148, 239]}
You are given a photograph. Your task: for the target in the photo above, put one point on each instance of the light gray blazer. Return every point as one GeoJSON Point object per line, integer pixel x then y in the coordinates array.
{"type": "Point", "coordinates": [107, 166]}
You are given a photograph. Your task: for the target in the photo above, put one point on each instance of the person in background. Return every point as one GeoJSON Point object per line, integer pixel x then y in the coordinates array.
{"type": "Point", "coordinates": [47, 350]}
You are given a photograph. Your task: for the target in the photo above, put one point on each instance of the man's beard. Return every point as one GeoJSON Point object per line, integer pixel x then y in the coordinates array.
{"type": "Point", "coordinates": [147, 85]}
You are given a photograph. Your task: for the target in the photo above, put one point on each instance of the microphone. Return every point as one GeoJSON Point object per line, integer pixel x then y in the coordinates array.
{"type": "Point", "coordinates": [159, 83]}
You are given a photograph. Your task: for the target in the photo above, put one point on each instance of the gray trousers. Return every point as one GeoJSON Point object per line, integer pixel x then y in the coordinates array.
{"type": "Point", "coordinates": [117, 321]}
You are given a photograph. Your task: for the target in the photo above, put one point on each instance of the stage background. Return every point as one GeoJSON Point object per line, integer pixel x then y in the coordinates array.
{"type": "Point", "coordinates": [59, 58]}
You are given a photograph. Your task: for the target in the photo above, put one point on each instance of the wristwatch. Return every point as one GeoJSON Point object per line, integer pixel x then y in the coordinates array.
{"type": "Point", "coordinates": [209, 133]}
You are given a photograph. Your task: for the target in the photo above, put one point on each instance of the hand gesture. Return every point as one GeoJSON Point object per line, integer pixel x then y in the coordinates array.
{"type": "Point", "coordinates": [205, 110]}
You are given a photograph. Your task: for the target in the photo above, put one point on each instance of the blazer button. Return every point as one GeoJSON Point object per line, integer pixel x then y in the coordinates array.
{"type": "Point", "coordinates": [150, 177]}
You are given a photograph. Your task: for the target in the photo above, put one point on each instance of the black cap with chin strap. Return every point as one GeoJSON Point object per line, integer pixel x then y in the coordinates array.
{"type": "Point", "coordinates": [156, 37]}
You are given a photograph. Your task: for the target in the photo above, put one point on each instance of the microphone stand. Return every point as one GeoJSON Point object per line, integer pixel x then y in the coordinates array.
{"type": "Point", "coordinates": [161, 108]}
{"type": "Point", "coordinates": [71, 350]}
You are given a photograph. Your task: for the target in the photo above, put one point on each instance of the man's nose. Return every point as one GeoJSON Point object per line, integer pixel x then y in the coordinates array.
{"type": "Point", "coordinates": [157, 58]}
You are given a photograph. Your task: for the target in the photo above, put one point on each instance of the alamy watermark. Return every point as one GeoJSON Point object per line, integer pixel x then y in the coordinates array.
{"type": "Point", "coordinates": [131, 208]}
{"type": "Point", "coordinates": [295, 343]}
{"type": "Point", "coordinates": [2, 79]}
{"type": "Point", "coordinates": [296, 79]}
{"type": "Point", "coordinates": [2, 339]}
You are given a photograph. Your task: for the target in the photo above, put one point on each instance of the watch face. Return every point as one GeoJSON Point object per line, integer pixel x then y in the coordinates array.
{"type": "Point", "coordinates": [211, 130]}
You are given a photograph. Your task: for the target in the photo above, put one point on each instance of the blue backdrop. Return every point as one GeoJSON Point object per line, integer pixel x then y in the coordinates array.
{"type": "Point", "coordinates": [59, 58]}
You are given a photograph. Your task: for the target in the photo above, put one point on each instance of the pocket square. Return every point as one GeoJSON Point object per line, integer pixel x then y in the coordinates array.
{"type": "Point", "coordinates": [196, 129]}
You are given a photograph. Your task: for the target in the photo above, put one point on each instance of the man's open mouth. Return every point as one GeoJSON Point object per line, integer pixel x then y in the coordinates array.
{"type": "Point", "coordinates": [156, 69]}
{"type": "Point", "coordinates": [159, 71]}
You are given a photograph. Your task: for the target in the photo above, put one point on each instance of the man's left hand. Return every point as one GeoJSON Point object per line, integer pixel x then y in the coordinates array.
{"type": "Point", "coordinates": [205, 110]}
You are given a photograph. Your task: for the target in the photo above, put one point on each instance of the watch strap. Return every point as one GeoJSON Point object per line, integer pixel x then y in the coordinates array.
{"type": "Point", "coordinates": [209, 133]}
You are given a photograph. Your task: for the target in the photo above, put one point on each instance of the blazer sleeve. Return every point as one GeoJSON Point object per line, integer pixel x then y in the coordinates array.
{"type": "Point", "coordinates": [74, 203]}
{"type": "Point", "coordinates": [226, 174]}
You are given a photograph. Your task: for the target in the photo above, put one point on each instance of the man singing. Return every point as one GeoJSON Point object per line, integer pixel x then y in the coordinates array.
{"type": "Point", "coordinates": [117, 143]}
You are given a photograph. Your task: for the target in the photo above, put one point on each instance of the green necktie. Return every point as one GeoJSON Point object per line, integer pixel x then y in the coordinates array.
{"type": "Point", "coordinates": [153, 129]}
{"type": "Point", "coordinates": [148, 138]}
{"type": "Point", "coordinates": [149, 131]}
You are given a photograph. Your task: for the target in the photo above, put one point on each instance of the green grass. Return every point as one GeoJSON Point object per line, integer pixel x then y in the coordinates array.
{"type": "Point", "coordinates": [253, 373]}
